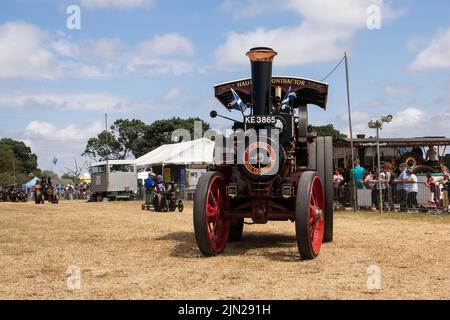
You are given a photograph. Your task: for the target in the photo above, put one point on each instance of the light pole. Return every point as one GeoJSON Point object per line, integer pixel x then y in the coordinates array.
{"type": "Point", "coordinates": [378, 124]}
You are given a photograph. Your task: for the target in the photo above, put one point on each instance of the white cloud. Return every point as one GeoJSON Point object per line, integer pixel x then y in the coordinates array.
{"type": "Point", "coordinates": [22, 53]}
{"type": "Point", "coordinates": [104, 102]}
{"type": "Point", "coordinates": [248, 9]}
{"type": "Point", "coordinates": [167, 44]}
{"type": "Point", "coordinates": [172, 95]}
{"type": "Point", "coordinates": [121, 4]}
{"type": "Point", "coordinates": [41, 130]}
{"type": "Point", "coordinates": [286, 42]}
{"type": "Point", "coordinates": [436, 55]}
{"type": "Point", "coordinates": [326, 29]}
{"type": "Point", "coordinates": [412, 121]}
{"type": "Point", "coordinates": [395, 88]}
{"type": "Point", "coordinates": [339, 14]}
{"type": "Point", "coordinates": [65, 101]}
{"type": "Point", "coordinates": [26, 51]}
{"type": "Point", "coordinates": [65, 142]}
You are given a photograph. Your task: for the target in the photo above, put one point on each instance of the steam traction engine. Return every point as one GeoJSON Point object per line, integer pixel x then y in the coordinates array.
{"type": "Point", "coordinates": [273, 167]}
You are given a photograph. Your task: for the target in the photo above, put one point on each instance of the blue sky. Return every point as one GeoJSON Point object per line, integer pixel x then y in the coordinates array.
{"type": "Point", "coordinates": [152, 59]}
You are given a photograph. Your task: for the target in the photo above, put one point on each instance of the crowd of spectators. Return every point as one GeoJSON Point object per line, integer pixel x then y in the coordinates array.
{"type": "Point", "coordinates": [399, 190]}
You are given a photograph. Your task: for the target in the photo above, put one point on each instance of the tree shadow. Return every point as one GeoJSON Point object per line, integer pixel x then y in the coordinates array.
{"type": "Point", "coordinates": [186, 246]}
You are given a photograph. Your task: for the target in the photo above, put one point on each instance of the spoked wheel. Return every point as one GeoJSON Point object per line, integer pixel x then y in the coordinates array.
{"type": "Point", "coordinates": [172, 205]}
{"type": "Point", "coordinates": [210, 226]}
{"type": "Point", "coordinates": [180, 206]}
{"type": "Point", "coordinates": [309, 215]}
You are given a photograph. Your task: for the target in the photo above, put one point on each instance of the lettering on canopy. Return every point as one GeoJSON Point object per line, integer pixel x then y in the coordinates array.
{"type": "Point", "coordinates": [308, 91]}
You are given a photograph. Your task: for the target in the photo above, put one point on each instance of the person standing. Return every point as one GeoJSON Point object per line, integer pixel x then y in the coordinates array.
{"type": "Point", "coordinates": [412, 188]}
{"type": "Point", "coordinates": [389, 178]}
{"type": "Point", "coordinates": [149, 185]}
{"type": "Point", "coordinates": [434, 189]}
{"type": "Point", "coordinates": [357, 175]}
{"type": "Point", "coordinates": [401, 187]}
{"type": "Point", "coordinates": [338, 178]}
{"type": "Point", "coordinates": [432, 156]}
{"type": "Point", "coordinates": [369, 183]}
{"type": "Point", "coordinates": [445, 182]}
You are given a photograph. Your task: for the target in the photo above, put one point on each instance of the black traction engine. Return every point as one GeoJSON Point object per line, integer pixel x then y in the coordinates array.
{"type": "Point", "coordinates": [272, 166]}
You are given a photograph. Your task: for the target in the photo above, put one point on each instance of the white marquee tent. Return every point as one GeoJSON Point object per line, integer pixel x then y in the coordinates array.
{"type": "Point", "coordinates": [199, 151]}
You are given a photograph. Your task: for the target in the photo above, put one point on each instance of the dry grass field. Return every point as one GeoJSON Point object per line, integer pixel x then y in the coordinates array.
{"type": "Point", "coordinates": [126, 253]}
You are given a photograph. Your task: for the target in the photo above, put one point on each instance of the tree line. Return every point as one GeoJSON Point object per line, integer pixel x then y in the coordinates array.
{"type": "Point", "coordinates": [135, 138]}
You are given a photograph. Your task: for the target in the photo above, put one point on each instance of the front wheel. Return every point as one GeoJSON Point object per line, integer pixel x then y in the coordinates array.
{"type": "Point", "coordinates": [236, 229]}
{"type": "Point", "coordinates": [210, 226]}
{"type": "Point", "coordinates": [180, 206]}
{"type": "Point", "coordinates": [309, 215]}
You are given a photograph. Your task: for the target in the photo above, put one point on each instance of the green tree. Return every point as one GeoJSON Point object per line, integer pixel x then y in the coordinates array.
{"type": "Point", "coordinates": [134, 137]}
{"type": "Point", "coordinates": [7, 159]}
{"type": "Point", "coordinates": [328, 130]}
{"type": "Point", "coordinates": [103, 146]}
{"type": "Point", "coordinates": [129, 135]}
{"type": "Point", "coordinates": [119, 143]}
{"type": "Point", "coordinates": [26, 161]}
{"type": "Point", "coordinates": [160, 132]}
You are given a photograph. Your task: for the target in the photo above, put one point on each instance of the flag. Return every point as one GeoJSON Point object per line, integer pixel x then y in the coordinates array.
{"type": "Point", "coordinates": [237, 102]}
{"type": "Point", "coordinates": [290, 95]}
{"type": "Point", "coordinates": [55, 160]}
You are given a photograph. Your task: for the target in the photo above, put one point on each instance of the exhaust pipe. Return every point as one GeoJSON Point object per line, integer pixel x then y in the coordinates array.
{"type": "Point", "coordinates": [261, 61]}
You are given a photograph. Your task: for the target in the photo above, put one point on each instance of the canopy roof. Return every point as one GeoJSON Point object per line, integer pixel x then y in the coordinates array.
{"type": "Point", "coordinates": [113, 162]}
{"type": "Point", "coordinates": [395, 142]}
{"type": "Point", "coordinates": [30, 183]}
{"type": "Point", "coordinates": [308, 91]}
{"type": "Point", "coordinates": [198, 151]}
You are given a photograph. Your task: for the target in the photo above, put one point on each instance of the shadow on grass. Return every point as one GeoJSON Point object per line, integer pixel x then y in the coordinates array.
{"type": "Point", "coordinates": [186, 246]}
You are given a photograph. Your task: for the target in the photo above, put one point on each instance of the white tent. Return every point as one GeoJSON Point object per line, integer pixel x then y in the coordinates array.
{"type": "Point", "coordinates": [198, 151]}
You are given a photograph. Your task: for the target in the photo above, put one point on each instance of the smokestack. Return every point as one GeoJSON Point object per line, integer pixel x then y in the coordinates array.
{"type": "Point", "coordinates": [261, 60]}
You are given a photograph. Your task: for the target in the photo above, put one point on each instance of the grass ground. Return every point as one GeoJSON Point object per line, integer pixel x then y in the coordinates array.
{"type": "Point", "coordinates": [126, 253]}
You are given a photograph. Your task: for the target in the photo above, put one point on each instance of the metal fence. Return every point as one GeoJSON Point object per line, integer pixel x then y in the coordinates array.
{"type": "Point", "coordinates": [395, 197]}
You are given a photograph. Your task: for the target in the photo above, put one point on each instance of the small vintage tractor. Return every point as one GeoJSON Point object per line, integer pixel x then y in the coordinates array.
{"type": "Point", "coordinates": [44, 190]}
{"type": "Point", "coordinates": [273, 166]}
{"type": "Point", "coordinates": [166, 199]}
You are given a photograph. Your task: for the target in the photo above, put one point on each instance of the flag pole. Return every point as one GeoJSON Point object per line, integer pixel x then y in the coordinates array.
{"type": "Point", "coordinates": [350, 128]}
{"type": "Point", "coordinates": [107, 154]}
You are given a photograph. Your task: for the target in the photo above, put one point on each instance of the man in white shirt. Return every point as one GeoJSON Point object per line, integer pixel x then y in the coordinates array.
{"type": "Point", "coordinates": [412, 188]}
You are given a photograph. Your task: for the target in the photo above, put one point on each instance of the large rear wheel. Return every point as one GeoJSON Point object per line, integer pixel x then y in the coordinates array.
{"type": "Point", "coordinates": [309, 215]}
{"type": "Point", "coordinates": [323, 160]}
{"type": "Point", "coordinates": [210, 226]}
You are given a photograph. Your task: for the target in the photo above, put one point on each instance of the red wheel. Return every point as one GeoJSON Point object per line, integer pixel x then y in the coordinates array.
{"type": "Point", "coordinates": [309, 215]}
{"type": "Point", "coordinates": [211, 228]}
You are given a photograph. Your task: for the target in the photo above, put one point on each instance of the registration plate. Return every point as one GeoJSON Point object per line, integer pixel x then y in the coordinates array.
{"type": "Point", "coordinates": [260, 119]}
